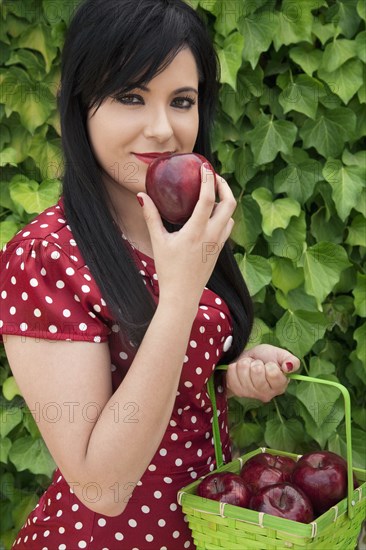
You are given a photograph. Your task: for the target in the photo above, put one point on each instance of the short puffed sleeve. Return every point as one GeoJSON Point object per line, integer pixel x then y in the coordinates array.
{"type": "Point", "coordinates": [45, 294]}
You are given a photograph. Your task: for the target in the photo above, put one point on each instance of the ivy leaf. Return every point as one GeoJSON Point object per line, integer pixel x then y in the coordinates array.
{"type": "Point", "coordinates": [8, 156]}
{"type": "Point", "coordinates": [245, 168]}
{"type": "Point", "coordinates": [322, 230]}
{"type": "Point", "coordinates": [317, 398]}
{"type": "Point", "coordinates": [275, 214]}
{"type": "Point", "coordinates": [307, 57]}
{"type": "Point", "coordinates": [256, 271]}
{"type": "Point", "coordinates": [301, 95]}
{"type": "Point", "coordinates": [269, 137]}
{"type": "Point", "coordinates": [289, 242]}
{"type": "Point", "coordinates": [259, 330]}
{"type": "Point", "coordinates": [298, 180]}
{"type": "Point", "coordinates": [8, 228]}
{"type": "Point", "coordinates": [294, 23]}
{"type": "Point", "coordinates": [32, 196]}
{"type": "Point", "coordinates": [10, 417]}
{"type": "Point", "coordinates": [32, 454]}
{"type": "Point", "coordinates": [247, 226]}
{"type": "Point", "coordinates": [285, 275]}
{"type": "Point", "coordinates": [298, 331]}
{"type": "Point", "coordinates": [329, 415]}
{"type": "Point", "coordinates": [33, 65]}
{"type": "Point", "coordinates": [347, 183]}
{"type": "Point", "coordinates": [38, 37]}
{"type": "Point", "coordinates": [32, 100]}
{"type": "Point", "coordinates": [329, 132]}
{"type": "Point", "coordinates": [323, 31]}
{"type": "Point", "coordinates": [230, 58]}
{"type": "Point", "coordinates": [336, 53]}
{"type": "Point", "coordinates": [359, 293]}
{"type": "Point", "coordinates": [258, 29]}
{"type": "Point", "coordinates": [283, 435]}
{"type": "Point", "coordinates": [227, 14]}
{"type": "Point", "coordinates": [323, 264]}
{"type": "Point", "coordinates": [361, 9]}
{"type": "Point", "coordinates": [246, 433]}
{"type": "Point", "coordinates": [337, 443]}
{"type": "Point", "coordinates": [346, 80]}
{"type": "Point", "coordinates": [360, 337]}
{"type": "Point", "coordinates": [345, 16]}
{"type": "Point", "coordinates": [357, 231]}
{"type": "Point", "coordinates": [47, 156]}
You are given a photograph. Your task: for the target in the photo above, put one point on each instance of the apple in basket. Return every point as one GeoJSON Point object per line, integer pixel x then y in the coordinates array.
{"type": "Point", "coordinates": [225, 487]}
{"type": "Point", "coordinates": [265, 469]}
{"type": "Point", "coordinates": [322, 476]}
{"type": "Point", "coordinates": [285, 501]}
{"type": "Point", "coordinates": [174, 182]}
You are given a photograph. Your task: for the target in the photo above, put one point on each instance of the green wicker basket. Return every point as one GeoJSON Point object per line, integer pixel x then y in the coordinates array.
{"type": "Point", "coordinates": [216, 525]}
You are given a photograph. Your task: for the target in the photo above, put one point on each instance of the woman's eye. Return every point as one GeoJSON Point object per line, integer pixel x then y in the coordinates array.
{"type": "Point", "coordinates": [129, 99]}
{"type": "Point", "coordinates": [184, 102]}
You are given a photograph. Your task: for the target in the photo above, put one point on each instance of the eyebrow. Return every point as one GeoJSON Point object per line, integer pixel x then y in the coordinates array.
{"type": "Point", "coordinates": [178, 91]}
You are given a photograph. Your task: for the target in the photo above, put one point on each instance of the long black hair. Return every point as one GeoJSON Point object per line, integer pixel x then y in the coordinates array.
{"type": "Point", "coordinates": [113, 46]}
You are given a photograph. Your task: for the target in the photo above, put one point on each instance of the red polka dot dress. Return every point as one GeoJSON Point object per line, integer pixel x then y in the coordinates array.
{"type": "Point", "coordinates": [47, 291]}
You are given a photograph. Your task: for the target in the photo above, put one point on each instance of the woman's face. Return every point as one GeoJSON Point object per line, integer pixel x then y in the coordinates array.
{"type": "Point", "coordinates": [161, 118]}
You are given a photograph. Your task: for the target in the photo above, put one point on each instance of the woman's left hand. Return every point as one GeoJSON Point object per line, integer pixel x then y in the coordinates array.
{"type": "Point", "coordinates": [258, 373]}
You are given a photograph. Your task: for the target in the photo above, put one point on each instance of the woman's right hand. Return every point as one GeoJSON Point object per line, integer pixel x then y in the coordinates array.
{"type": "Point", "coordinates": [185, 259]}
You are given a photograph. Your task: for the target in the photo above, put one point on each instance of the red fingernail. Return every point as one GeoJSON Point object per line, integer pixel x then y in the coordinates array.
{"type": "Point", "coordinates": [289, 366]}
{"type": "Point", "coordinates": [141, 200]}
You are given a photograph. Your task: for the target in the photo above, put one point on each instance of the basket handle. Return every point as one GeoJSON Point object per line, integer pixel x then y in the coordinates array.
{"type": "Point", "coordinates": [347, 408]}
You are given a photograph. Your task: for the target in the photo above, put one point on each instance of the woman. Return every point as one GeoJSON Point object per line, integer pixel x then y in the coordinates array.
{"type": "Point", "coordinates": [115, 318]}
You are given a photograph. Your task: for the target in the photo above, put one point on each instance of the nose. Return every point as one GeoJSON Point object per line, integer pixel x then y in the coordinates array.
{"type": "Point", "coordinates": [158, 126]}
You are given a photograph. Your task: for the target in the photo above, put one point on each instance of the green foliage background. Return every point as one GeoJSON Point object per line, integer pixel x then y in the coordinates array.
{"type": "Point", "coordinates": [288, 139]}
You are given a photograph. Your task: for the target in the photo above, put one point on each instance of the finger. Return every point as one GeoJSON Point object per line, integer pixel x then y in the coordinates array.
{"type": "Point", "coordinates": [290, 363]}
{"type": "Point", "coordinates": [275, 378]}
{"type": "Point", "coordinates": [258, 376]}
{"type": "Point", "coordinates": [239, 377]}
{"type": "Point", "coordinates": [227, 205]}
{"type": "Point", "coordinates": [206, 200]}
{"type": "Point", "coordinates": [151, 215]}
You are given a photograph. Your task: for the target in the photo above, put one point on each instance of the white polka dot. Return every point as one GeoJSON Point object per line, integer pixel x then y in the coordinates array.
{"type": "Point", "coordinates": [185, 359]}
{"type": "Point", "coordinates": [187, 544]}
{"type": "Point", "coordinates": [132, 523]}
{"type": "Point", "coordinates": [218, 328]}
{"type": "Point", "coordinates": [33, 282]}
{"type": "Point", "coordinates": [152, 467]}
{"type": "Point", "coordinates": [78, 525]}
{"type": "Point", "coordinates": [149, 538]}
{"type": "Point", "coordinates": [103, 302]}
{"type": "Point", "coordinates": [85, 289]}
{"type": "Point", "coordinates": [193, 475]}
{"type": "Point", "coordinates": [198, 371]}
{"type": "Point", "coordinates": [52, 329]}
{"type": "Point", "coordinates": [168, 480]}
{"type": "Point", "coordinates": [163, 452]}
{"type": "Point", "coordinates": [193, 344]}
{"type": "Point", "coordinates": [37, 313]}
{"type": "Point", "coordinates": [55, 255]}
{"type": "Point", "coordinates": [161, 522]}
{"type": "Point", "coordinates": [227, 343]}
{"type": "Point", "coordinates": [218, 301]}
{"type": "Point", "coordinates": [66, 313]}
{"type": "Point", "coordinates": [19, 251]}
{"type": "Point", "coordinates": [59, 513]}
{"type": "Point", "coordinates": [46, 533]}
{"type": "Point", "coordinates": [102, 522]}
{"type": "Point", "coordinates": [123, 355]}
{"type": "Point", "coordinates": [207, 355]}
{"type": "Point", "coordinates": [188, 445]}
{"type": "Point", "coordinates": [26, 233]}
{"type": "Point", "coordinates": [12, 310]}
{"type": "Point", "coordinates": [23, 326]}
{"type": "Point", "coordinates": [97, 308]}
{"type": "Point", "coordinates": [193, 419]}
{"type": "Point", "coordinates": [76, 298]}
{"type": "Point", "coordinates": [4, 294]}
{"type": "Point", "coordinates": [206, 316]}
{"type": "Point", "coordinates": [83, 326]}
{"type": "Point", "coordinates": [58, 496]}
{"type": "Point", "coordinates": [48, 299]}
{"type": "Point", "coordinates": [176, 534]}
{"type": "Point", "coordinates": [173, 506]}
{"type": "Point", "coordinates": [61, 530]}
{"type": "Point", "coordinates": [72, 242]}
{"type": "Point", "coordinates": [44, 225]}
{"type": "Point", "coordinates": [222, 315]}
{"type": "Point", "coordinates": [60, 284]}
{"type": "Point", "coordinates": [97, 339]}
{"type": "Point", "coordinates": [43, 272]}
{"type": "Point", "coordinates": [70, 271]}
{"type": "Point", "coordinates": [145, 509]}
{"type": "Point", "coordinates": [179, 462]}
{"type": "Point", "coordinates": [157, 494]}
{"type": "Point", "coordinates": [13, 281]}
{"type": "Point", "coordinates": [203, 307]}
{"type": "Point", "coordinates": [62, 547]}
{"type": "Point", "coordinates": [118, 536]}
{"type": "Point", "coordinates": [82, 544]}
{"type": "Point", "coordinates": [188, 384]}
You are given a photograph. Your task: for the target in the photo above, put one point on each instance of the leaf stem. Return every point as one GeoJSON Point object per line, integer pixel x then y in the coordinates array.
{"type": "Point", "coordinates": [278, 411]}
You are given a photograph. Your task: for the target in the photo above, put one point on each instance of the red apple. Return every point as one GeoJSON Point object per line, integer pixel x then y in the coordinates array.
{"type": "Point", "coordinates": [322, 475]}
{"type": "Point", "coordinates": [285, 501]}
{"type": "Point", "coordinates": [265, 469]}
{"type": "Point", "coordinates": [174, 182]}
{"type": "Point", "coordinates": [225, 487]}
